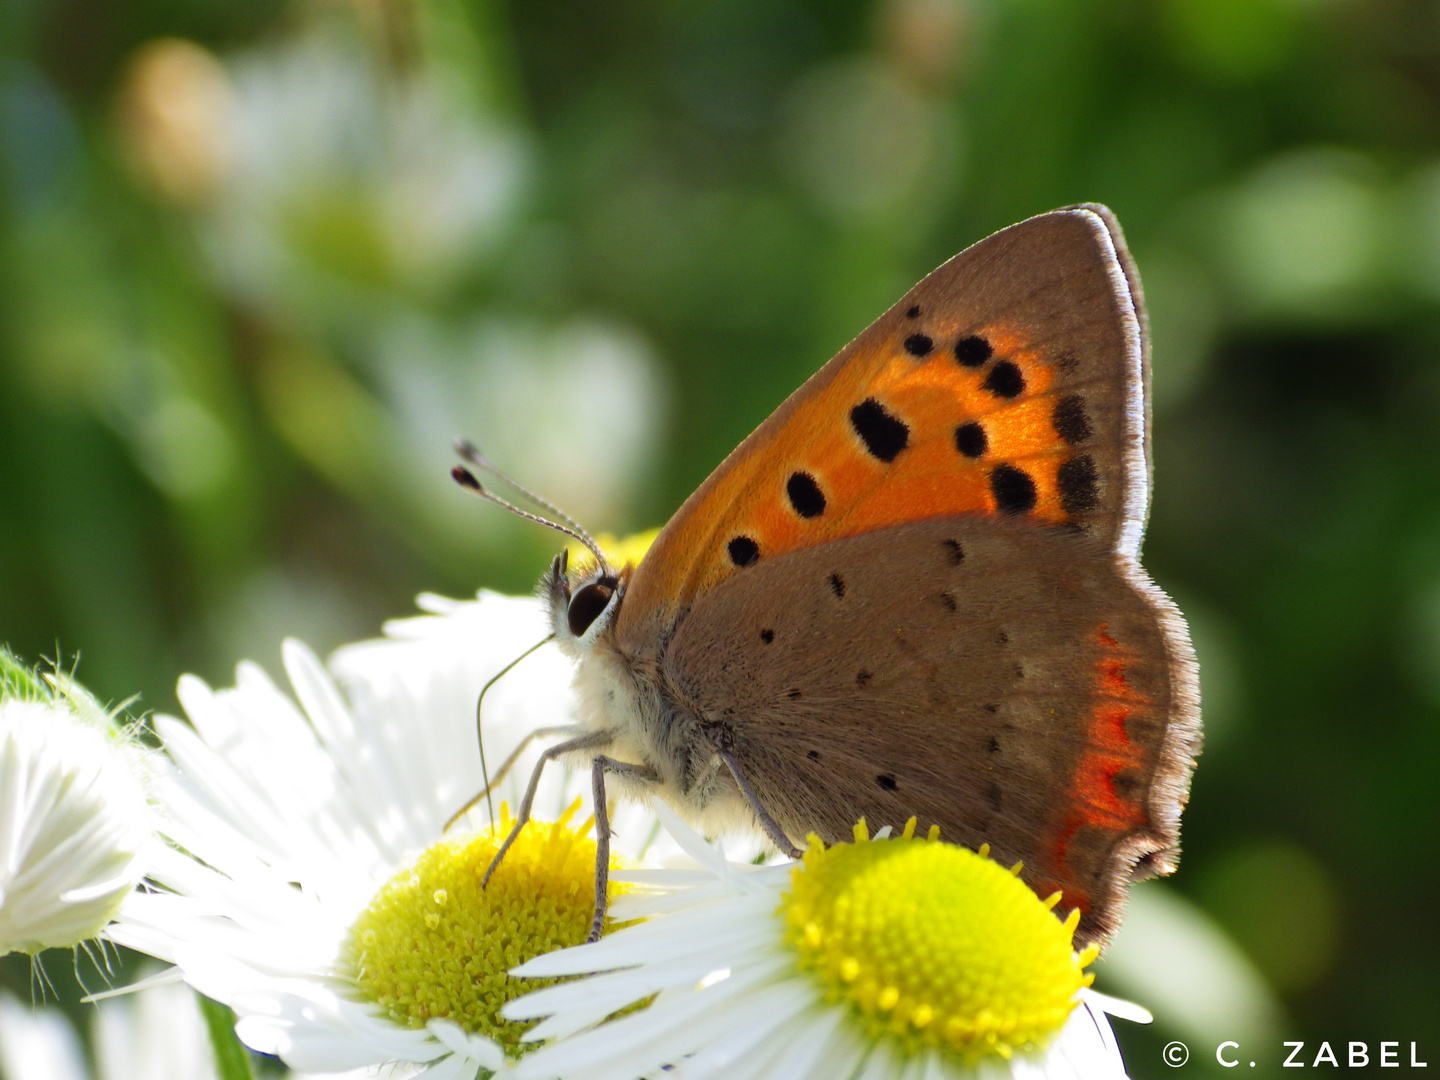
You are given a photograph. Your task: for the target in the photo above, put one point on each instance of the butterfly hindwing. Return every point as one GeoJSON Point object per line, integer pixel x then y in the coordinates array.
{"type": "Point", "coordinates": [999, 679]}
{"type": "Point", "coordinates": [1007, 383]}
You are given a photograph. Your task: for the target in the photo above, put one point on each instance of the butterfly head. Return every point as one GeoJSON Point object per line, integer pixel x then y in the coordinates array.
{"type": "Point", "coordinates": [582, 601]}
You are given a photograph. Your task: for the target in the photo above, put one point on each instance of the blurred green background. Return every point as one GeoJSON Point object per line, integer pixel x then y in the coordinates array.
{"type": "Point", "coordinates": [260, 262]}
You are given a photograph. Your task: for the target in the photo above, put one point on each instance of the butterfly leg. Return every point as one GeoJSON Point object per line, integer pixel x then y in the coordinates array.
{"type": "Point", "coordinates": [772, 830]}
{"type": "Point", "coordinates": [603, 765]}
{"type": "Point", "coordinates": [508, 764]}
{"type": "Point", "coordinates": [581, 742]}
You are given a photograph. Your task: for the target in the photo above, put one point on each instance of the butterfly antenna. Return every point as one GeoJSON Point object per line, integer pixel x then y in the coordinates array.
{"type": "Point", "coordinates": [471, 453]}
{"type": "Point", "coordinates": [466, 479]}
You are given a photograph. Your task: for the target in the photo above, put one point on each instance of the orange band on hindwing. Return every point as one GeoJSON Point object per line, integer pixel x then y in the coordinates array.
{"type": "Point", "coordinates": [1094, 801]}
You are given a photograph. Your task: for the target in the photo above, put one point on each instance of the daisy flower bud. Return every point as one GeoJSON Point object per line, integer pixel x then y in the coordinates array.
{"type": "Point", "coordinates": [74, 822]}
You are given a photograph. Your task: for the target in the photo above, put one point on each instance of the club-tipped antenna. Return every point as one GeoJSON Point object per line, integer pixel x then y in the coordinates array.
{"type": "Point", "coordinates": [471, 453]}
{"type": "Point", "coordinates": [466, 479]}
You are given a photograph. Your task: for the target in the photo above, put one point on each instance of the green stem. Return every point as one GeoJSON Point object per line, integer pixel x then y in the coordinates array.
{"type": "Point", "coordinates": [232, 1060]}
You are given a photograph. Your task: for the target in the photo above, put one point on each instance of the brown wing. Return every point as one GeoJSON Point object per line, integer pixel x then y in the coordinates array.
{"type": "Point", "coordinates": [1012, 682]}
{"type": "Point", "coordinates": [1008, 383]}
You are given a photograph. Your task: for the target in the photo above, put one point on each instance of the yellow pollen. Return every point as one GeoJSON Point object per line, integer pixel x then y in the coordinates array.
{"type": "Point", "coordinates": [419, 964]}
{"type": "Point", "coordinates": [933, 945]}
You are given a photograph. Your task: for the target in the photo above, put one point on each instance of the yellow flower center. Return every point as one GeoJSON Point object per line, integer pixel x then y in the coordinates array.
{"type": "Point", "coordinates": [619, 550]}
{"type": "Point", "coordinates": [433, 943]}
{"type": "Point", "coordinates": [933, 944]}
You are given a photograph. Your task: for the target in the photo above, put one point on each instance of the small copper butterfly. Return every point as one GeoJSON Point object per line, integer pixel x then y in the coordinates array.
{"type": "Point", "coordinates": [915, 591]}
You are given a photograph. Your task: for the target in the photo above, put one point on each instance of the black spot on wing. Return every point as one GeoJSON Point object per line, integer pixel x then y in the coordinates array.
{"type": "Point", "coordinates": [767, 636]}
{"type": "Point", "coordinates": [743, 551]}
{"type": "Point", "coordinates": [862, 679]}
{"type": "Point", "coordinates": [914, 312]}
{"type": "Point", "coordinates": [953, 551]}
{"type": "Point", "coordinates": [886, 781]}
{"type": "Point", "coordinates": [813, 755]}
{"type": "Point", "coordinates": [883, 434]}
{"type": "Point", "coordinates": [1078, 484]}
{"type": "Point", "coordinates": [948, 601]}
{"type": "Point", "coordinates": [1013, 489]}
{"type": "Point", "coordinates": [837, 586]}
{"type": "Point", "coordinates": [1005, 380]}
{"type": "Point", "coordinates": [918, 345]}
{"type": "Point", "coordinates": [971, 440]}
{"type": "Point", "coordinates": [805, 495]}
{"type": "Point", "coordinates": [972, 351]}
{"type": "Point", "coordinates": [1070, 421]}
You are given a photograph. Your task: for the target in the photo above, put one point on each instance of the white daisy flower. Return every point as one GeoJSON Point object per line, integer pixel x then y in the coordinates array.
{"type": "Point", "coordinates": [907, 958]}
{"type": "Point", "coordinates": [310, 886]}
{"type": "Point", "coordinates": [74, 824]}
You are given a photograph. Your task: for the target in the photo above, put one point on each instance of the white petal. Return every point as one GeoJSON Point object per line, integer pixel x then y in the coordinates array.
{"type": "Point", "coordinates": [454, 1067]}
{"type": "Point", "coordinates": [748, 1023]}
{"type": "Point", "coordinates": [476, 1048]}
{"type": "Point", "coordinates": [1114, 1006]}
{"type": "Point", "coordinates": [673, 1026]}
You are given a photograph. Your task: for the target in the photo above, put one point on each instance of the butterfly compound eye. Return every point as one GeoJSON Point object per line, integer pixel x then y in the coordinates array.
{"type": "Point", "coordinates": [587, 605]}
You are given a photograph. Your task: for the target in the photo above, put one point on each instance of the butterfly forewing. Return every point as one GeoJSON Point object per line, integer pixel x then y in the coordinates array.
{"type": "Point", "coordinates": [1007, 383]}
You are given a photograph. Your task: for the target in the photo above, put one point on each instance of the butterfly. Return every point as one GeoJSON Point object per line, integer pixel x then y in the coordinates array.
{"type": "Point", "coordinates": [915, 591]}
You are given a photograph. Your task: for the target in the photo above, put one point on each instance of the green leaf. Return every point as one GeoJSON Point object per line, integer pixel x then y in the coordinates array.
{"type": "Point", "coordinates": [232, 1060]}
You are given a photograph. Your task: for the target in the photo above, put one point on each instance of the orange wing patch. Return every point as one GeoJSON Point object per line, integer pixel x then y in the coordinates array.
{"type": "Point", "coordinates": [943, 420]}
